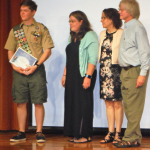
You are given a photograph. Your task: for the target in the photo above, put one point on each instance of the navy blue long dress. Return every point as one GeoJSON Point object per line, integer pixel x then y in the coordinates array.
{"type": "Point", "coordinates": [78, 121]}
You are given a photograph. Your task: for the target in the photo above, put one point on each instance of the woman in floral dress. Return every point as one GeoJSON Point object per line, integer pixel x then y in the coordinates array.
{"type": "Point", "coordinates": [110, 84]}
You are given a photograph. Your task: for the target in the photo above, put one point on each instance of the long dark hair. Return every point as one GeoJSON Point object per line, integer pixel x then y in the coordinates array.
{"type": "Point", "coordinates": [113, 14]}
{"type": "Point", "coordinates": [84, 28]}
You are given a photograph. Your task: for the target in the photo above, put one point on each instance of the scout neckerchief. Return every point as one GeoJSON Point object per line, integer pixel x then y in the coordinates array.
{"type": "Point", "coordinates": [21, 39]}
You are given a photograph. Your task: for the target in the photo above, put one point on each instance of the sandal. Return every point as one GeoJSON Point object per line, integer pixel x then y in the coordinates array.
{"type": "Point", "coordinates": [72, 139]}
{"type": "Point", "coordinates": [125, 144]}
{"type": "Point", "coordinates": [108, 138]}
{"type": "Point", "coordinates": [83, 140]}
{"type": "Point", "coordinates": [117, 138]}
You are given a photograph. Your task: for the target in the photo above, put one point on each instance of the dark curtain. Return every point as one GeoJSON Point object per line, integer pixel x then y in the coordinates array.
{"type": "Point", "coordinates": [9, 17]}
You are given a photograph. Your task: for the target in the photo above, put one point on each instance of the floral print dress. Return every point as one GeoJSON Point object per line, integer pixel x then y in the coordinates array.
{"type": "Point", "coordinates": [110, 83]}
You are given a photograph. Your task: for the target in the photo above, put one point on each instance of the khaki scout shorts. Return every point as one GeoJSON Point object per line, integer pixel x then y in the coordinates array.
{"type": "Point", "coordinates": [33, 86]}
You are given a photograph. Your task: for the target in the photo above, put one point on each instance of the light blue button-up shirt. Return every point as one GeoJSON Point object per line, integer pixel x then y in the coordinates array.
{"type": "Point", "coordinates": [88, 51]}
{"type": "Point", "coordinates": [134, 47]}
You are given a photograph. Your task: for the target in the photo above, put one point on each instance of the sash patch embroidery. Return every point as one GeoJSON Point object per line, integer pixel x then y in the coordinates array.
{"type": "Point", "coordinates": [21, 40]}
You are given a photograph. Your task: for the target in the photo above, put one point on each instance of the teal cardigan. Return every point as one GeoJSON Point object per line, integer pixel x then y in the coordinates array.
{"type": "Point", "coordinates": [88, 51]}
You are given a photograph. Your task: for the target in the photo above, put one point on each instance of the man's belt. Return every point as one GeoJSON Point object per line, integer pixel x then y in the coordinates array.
{"type": "Point", "coordinates": [127, 68]}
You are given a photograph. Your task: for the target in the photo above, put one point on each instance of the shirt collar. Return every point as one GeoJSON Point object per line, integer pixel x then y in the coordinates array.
{"type": "Point", "coordinates": [129, 23]}
{"type": "Point", "coordinates": [33, 23]}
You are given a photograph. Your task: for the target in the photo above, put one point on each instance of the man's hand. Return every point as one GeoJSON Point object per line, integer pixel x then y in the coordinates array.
{"type": "Point", "coordinates": [18, 69]}
{"type": "Point", "coordinates": [63, 80]}
{"type": "Point", "coordinates": [140, 81]}
{"type": "Point", "coordinates": [86, 83]}
{"type": "Point", "coordinates": [30, 70]}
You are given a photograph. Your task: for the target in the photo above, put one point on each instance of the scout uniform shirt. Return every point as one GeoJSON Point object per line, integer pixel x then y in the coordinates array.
{"type": "Point", "coordinates": [37, 42]}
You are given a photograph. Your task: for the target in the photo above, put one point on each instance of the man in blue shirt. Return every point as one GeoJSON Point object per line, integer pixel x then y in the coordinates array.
{"type": "Point", "coordinates": [134, 58]}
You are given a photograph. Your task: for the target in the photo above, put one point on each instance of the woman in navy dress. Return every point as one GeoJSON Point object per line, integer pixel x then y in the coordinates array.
{"type": "Point", "coordinates": [79, 78]}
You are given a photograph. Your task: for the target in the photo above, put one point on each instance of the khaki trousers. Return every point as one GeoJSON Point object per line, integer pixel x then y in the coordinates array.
{"type": "Point", "coordinates": [133, 102]}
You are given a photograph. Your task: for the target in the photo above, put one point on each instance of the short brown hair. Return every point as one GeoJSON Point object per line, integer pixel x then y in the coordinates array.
{"type": "Point", "coordinates": [132, 7]}
{"type": "Point", "coordinates": [113, 14]}
{"type": "Point", "coordinates": [31, 4]}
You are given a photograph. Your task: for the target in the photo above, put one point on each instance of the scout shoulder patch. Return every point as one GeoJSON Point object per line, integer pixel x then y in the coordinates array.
{"type": "Point", "coordinates": [45, 28]}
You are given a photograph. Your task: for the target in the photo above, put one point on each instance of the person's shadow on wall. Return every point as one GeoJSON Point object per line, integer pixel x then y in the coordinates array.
{"type": "Point", "coordinates": [54, 74]}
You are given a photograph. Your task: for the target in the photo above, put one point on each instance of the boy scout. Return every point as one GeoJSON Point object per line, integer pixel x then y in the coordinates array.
{"type": "Point", "coordinates": [33, 37]}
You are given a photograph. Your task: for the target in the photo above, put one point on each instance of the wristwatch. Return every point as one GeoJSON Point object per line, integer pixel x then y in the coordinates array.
{"type": "Point", "coordinates": [88, 76]}
{"type": "Point", "coordinates": [37, 65]}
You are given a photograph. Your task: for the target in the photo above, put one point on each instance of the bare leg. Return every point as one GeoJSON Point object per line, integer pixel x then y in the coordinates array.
{"type": "Point", "coordinates": [110, 117]}
{"type": "Point", "coordinates": [118, 115]}
{"type": "Point", "coordinates": [22, 115]}
{"type": "Point", "coordinates": [39, 115]}
{"type": "Point", "coordinates": [119, 119]}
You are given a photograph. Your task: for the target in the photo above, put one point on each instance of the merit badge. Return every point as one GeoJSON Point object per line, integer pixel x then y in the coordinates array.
{"type": "Point", "coordinates": [20, 37]}
{"type": "Point", "coordinates": [37, 28]}
{"type": "Point", "coordinates": [22, 33]}
{"type": "Point", "coordinates": [16, 35]}
{"type": "Point", "coordinates": [24, 39]}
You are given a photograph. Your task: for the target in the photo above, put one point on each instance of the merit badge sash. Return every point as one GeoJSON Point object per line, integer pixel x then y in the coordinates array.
{"type": "Point", "coordinates": [21, 39]}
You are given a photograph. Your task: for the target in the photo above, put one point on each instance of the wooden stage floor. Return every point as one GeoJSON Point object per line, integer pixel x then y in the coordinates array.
{"type": "Point", "coordinates": [58, 142]}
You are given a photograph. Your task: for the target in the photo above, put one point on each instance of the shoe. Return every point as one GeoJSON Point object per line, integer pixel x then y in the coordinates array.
{"type": "Point", "coordinates": [117, 138]}
{"type": "Point", "coordinates": [20, 136]}
{"type": "Point", "coordinates": [40, 137]}
{"type": "Point", "coordinates": [108, 138]}
{"type": "Point", "coordinates": [126, 144]}
{"type": "Point", "coordinates": [82, 140]}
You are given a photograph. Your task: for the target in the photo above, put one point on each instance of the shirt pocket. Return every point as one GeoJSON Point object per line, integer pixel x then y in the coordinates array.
{"type": "Point", "coordinates": [128, 44]}
{"type": "Point", "coordinates": [36, 41]}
